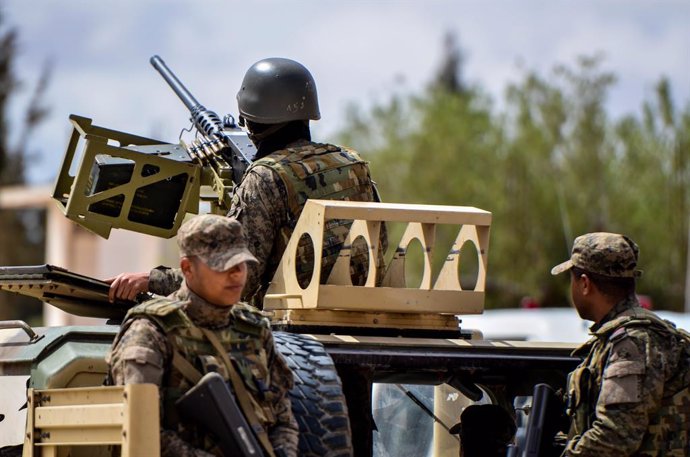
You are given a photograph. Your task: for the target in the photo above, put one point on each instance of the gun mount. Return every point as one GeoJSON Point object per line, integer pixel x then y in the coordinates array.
{"type": "Point", "coordinates": [146, 185]}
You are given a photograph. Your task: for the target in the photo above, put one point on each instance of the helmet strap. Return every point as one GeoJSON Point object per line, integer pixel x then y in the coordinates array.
{"type": "Point", "coordinates": [258, 137]}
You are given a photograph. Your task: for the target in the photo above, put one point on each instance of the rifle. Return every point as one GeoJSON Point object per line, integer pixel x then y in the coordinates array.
{"type": "Point", "coordinates": [544, 422]}
{"type": "Point", "coordinates": [211, 405]}
{"type": "Point", "coordinates": [146, 185]}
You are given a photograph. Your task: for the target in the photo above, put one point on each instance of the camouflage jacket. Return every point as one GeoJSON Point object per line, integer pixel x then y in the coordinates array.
{"type": "Point", "coordinates": [270, 199]}
{"type": "Point", "coordinates": [142, 353]}
{"type": "Point", "coordinates": [631, 394]}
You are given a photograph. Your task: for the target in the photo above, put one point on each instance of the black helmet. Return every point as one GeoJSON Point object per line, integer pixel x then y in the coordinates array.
{"type": "Point", "coordinates": [278, 90]}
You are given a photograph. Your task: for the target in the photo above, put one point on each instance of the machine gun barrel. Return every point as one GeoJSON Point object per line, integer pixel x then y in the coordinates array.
{"type": "Point", "coordinates": [205, 120]}
{"type": "Point", "coordinates": [222, 137]}
{"type": "Point", "coordinates": [187, 98]}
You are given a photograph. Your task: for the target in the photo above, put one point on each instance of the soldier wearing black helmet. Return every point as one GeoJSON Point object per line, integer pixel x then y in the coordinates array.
{"type": "Point", "coordinates": [276, 101]}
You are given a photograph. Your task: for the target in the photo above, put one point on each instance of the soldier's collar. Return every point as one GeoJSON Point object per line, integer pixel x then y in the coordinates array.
{"type": "Point", "coordinates": [624, 311]}
{"type": "Point", "coordinates": [201, 312]}
{"type": "Point", "coordinates": [622, 307]}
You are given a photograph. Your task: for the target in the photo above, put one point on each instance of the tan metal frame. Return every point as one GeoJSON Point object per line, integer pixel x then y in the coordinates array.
{"type": "Point", "coordinates": [393, 301]}
{"type": "Point", "coordinates": [71, 191]}
{"type": "Point", "coordinates": [127, 416]}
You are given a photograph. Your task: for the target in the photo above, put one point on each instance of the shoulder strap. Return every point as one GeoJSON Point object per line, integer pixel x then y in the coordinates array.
{"type": "Point", "coordinates": [646, 318]}
{"type": "Point", "coordinates": [187, 369]}
{"type": "Point", "coordinates": [248, 319]}
{"type": "Point", "coordinates": [165, 311]}
{"type": "Point", "coordinates": [241, 392]}
{"type": "Point", "coordinates": [323, 165]}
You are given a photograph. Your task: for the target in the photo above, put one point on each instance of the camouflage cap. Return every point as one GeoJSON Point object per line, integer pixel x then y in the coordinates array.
{"type": "Point", "coordinates": [606, 254]}
{"type": "Point", "coordinates": [217, 240]}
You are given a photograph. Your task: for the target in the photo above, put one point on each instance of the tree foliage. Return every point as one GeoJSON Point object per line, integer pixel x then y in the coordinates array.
{"type": "Point", "coordinates": [550, 165]}
{"type": "Point", "coordinates": [21, 231]}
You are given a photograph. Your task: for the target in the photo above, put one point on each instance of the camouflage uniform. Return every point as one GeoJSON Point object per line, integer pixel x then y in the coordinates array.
{"type": "Point", "coordinates": [631, 393]}
{"type": "Point", "coordinates": [270, 199]}
{"type": "Point", "coordinates": [154, 331]}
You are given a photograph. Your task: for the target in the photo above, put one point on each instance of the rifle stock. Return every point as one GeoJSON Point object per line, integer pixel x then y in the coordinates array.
{"type": "Point", "coordinates": [543, 424]}
{"type": "Point", "coordinates": [211, 405]}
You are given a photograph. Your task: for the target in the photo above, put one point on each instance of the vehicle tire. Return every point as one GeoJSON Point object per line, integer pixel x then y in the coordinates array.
{"type": "Point", "coordinates": [318, 403]}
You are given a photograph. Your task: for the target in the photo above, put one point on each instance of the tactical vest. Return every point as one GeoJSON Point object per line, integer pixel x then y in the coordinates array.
{"type": "Point", "coordinates": [668, 431]}
{"type": "Point", "coordinates": [317, 171]}
{"type": "Point", "coordinates": [242, 341]}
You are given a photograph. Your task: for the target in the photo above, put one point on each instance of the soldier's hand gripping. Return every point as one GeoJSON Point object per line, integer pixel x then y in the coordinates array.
{"type": "Point", "coordinates": [126, 286]}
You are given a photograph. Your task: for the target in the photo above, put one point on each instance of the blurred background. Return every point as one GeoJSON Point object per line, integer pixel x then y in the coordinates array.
{"type": "Point", "coordinates": [559, 117]}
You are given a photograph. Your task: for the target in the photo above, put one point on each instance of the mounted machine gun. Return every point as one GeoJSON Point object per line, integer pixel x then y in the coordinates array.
{"type": "Point", "coordinates": [145, 185]}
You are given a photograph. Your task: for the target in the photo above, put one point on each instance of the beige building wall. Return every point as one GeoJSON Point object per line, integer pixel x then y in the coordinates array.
{"type": "Point", "coordinates": [70, 246]}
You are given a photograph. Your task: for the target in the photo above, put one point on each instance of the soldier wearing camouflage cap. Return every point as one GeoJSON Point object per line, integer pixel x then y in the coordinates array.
{"type": "Point", "coordinates": [630, 396]}
{"type": "Point", "coordinates": [606, 254]}
{"type": "Point", "coordinates": [172, 341]}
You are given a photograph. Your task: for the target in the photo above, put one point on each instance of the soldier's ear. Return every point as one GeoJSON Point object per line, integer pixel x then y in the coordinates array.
{"type": "Point", "coordinates": [186, 266]}
{"type": "Point", "coordinates": [586, 284]}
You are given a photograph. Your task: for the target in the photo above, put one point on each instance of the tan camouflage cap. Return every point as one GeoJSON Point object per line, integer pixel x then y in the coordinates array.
{"type": "Point", "coordinates": [217, 240]}
{"type": "Point", "coordinates": [607, 254]}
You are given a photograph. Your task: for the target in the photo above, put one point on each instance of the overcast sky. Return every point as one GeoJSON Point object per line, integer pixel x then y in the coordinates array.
{"type": "Point", "coordinates": [358, 51]}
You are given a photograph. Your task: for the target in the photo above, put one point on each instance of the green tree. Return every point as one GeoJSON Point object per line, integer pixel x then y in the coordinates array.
{"type": "Point", "coordinates": [559, 158]}
{"type": "Point", "coordinates": [550, 166]}
{"type": "Point", "coordinates": [21, 232]}
{"type": "Point", "coordinates": [587, 150]}
{"type": "Point", "coordinates": [532, 225]}
{"type": "Point", "coordinates": [653, 168]}
{"type": "Point", "coordinates": [435, 148]}
{"type": "Point", "coordinates": [449, 77]}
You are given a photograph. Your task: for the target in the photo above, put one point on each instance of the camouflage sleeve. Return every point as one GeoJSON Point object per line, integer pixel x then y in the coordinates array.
{"type": "Point", "coordinates": [140, 356]}
{"type": "Point", "coordinates": [164, 281]}
{"type": "Point", "coordinates": [284, 434]}
{"type": "Point", "coordinates": [259, 203]}
{"type": "Point", "coordinates": [631, 391]}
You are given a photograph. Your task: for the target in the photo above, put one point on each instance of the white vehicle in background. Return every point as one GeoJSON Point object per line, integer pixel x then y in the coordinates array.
{"type": "Point", "coordinates": [531, 324]}
{"type": "Point", "coordinates": [544, 324]}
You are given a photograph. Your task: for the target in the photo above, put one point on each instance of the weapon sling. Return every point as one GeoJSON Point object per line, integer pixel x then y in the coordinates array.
{"type": "Point", "coordinates": [241, 393]}
{"type": "Point", "coordinates": [186, 368]}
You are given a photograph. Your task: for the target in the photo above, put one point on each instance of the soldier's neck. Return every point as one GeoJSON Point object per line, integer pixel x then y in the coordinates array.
{"type": "Point", "coordinates": [201, 312]}
{"type": "Point", "coordinates": [613, 307]}
{"type": "Point", "coordinates": [292, 132]}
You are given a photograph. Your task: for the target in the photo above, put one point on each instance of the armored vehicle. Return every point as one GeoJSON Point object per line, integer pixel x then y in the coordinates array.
{"type": "Point", "coordinates": [381, 368]}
